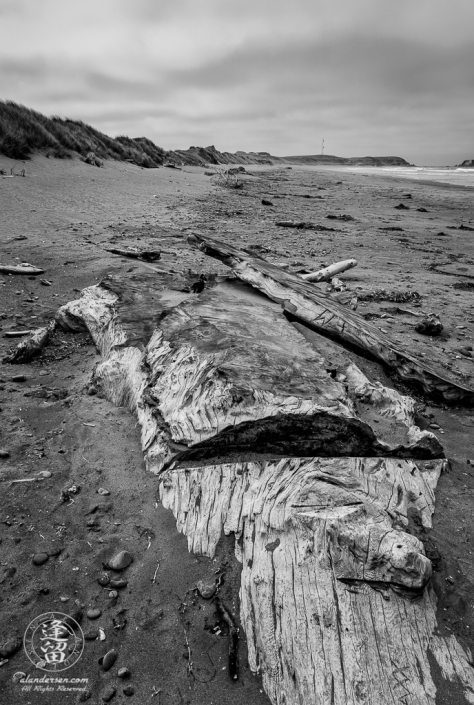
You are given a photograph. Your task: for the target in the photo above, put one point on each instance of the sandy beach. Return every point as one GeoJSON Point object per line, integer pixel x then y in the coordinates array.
{"type": "Point", "coordinates": [412, 260]}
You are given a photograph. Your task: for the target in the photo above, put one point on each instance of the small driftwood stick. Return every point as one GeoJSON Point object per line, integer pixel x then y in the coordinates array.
{"type": "Point", "coordinates": [331, 271]}
{"type": "Point", "coordinates": [31, 346]}
{"type": "Point", "coordinates": [19, 269]}
{"type": "Point", "coordinates": [145, 255]}
{"type": "Point", "coordinates": [233, 638]}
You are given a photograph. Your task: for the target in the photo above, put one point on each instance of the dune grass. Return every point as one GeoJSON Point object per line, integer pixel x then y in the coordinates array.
{"type": "Point", "coordinates": [24, 131]}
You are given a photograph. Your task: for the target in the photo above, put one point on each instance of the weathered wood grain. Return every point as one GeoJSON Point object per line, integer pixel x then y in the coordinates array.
{"type": "Point", "coordinates": [304, 301]}
{"type": "Point", "coordinates": [336, 599]}
{"type": "Point", "coordinates": [335, 596]}
{"type": "Point", "coordinates": [31, 346]}
{"type": "Point", "coordinates": [220, 376]}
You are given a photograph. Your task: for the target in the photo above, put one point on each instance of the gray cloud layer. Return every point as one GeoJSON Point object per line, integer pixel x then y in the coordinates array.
{"type": "Point", "coordinates": [372, 76]}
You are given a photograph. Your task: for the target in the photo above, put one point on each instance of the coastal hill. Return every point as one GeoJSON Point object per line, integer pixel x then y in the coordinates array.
{"type": "Point", "coordinates": [24, 132]}
{"type": "Point", "coordinates": [467, 162]}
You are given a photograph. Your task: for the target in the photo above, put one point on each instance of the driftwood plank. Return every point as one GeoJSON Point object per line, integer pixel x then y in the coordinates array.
{"type": "Point", "coordinates": [220, 377]}
{"type": "Point", "coordinates": [305, 302]}
{"type": "Point", "coordinates": [335, 596]}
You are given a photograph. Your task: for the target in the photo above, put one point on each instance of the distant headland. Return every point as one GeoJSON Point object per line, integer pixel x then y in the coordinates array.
{"type": "Point", "coordinates": [24, 132]}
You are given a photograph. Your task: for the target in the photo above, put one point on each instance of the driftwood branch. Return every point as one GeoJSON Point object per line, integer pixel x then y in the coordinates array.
{"type": "Point", "coordinates": [324, 314]}
{"type": "Point", "coordinates": [31, 346]}
{"type": "Point", "coordinates": [20, 269]}
{"type": "Point", "coordinates": [330, 272]}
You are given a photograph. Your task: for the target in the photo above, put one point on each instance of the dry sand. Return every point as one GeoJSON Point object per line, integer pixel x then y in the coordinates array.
{"type": "Point", "coordinates": [69, 212]}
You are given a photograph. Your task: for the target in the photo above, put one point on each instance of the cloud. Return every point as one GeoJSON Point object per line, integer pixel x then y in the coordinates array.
{"type": "Point", "coordinates": [372, 76]}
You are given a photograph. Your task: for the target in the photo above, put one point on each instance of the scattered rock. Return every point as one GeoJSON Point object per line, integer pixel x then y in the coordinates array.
{"type": "Point", "coordinates": [402, 207]}
{"type": "Point", "coordinates": [430, 325]}
{"type": "Point", "coordinates": [109, 659]}
{"type": "Point", "coordinates": [266, 202]}
{"type": "Point", "coordinates": [123, 673]}
{"type": "Point", "coordinates": [118, 584]}
{"type": "Point", "coordinates": [44, 474]}
{"type": "Point", "coordinates": [4, 453]}
{"type": "Point", "coordinates": [91, 634]}
{"type": "Point", "coordinates": [84, 696]}
{"type": "Point", "coordinates": [18, 378]}
{"type": "Point", "coordinates": [102, 491]}
{"type": "Point", "coordinates": [40, 558]}
{"type": "Point", "coordinates": [109, 694]}
{"type": "Point", "coordinates": [45, 282]}
{"type": "Point", "coordinates": [121, 561]}
{"type": "Point", "coordinates": [206, 589]}
{"type": "Point", "coordinates": [10, 646]}
{"type": "Point", "coordinates": [129, 690]}
{"type": "Point", "coordinates": [103, 579]}
{"type": "Point", "coordinates": [93, 613]}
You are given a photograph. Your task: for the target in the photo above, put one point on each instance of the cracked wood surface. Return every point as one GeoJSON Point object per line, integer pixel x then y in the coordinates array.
{"type": "Point", "coordinates": [306, 302]}
{"type": "Point", "coordinates": [336, 600]}
{"type": "Point", "coordinates": [335, 595]}
{"type": "Point", "coordinates": [216, 375]}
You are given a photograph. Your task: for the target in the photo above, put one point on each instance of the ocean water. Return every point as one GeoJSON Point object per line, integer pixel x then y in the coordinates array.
{"type": "Point", "coordinates": [456, 176]}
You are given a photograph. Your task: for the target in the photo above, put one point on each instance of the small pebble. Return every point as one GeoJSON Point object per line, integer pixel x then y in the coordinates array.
{"type": "Point", "coordinates": [123, 673]}
{"type": "Point", "coordinates": [18, 378]}
{"type": "Point", "coordinates": [4, 453]}
{"type": "Point", "coordinates": [120, 561]}
{"type": "Point", "coordinates": [45, 474]}
{"type": "Point", "coordinates": [103, 579]}
{"type": "Point", "coordinates": [10, 646]}
{"type": "Point", "coordinates": [103, 491]}
{"type": "Point", "coordinates": [206, 589]}
{"type": "Point", "coordinates": [40, 558]}
{"type": "Point", "coordinates": [113, 594]}
{"type": "Point", "coordinates": [434, 425]}
{"type": "Point", "coordinates": [109, 659]}
{"type": "Point", "coordinates": [93, 613]}
{"type": "Point", "coordinates": [129, 690]}
{"type": "Point", "coordinates": [91, 635]}
{"type": "Point", "coordinates": [118, 584]}
{"type": "Point", "coordinates": [109, 694]}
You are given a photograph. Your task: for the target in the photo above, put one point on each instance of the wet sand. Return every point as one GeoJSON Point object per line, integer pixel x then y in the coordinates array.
{"type": "Point", "coordinates": [69, 212]}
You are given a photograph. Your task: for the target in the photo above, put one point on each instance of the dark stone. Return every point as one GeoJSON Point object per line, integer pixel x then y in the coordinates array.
{"type": "Point", "coordinates": [120, 561]}
{"type": "Point", "coordinates": [430, 325]}
{"type": "Point", "coordinates": [93, 613]}
{"type": "Point", "coordinates": [123, 673]}
{"type": "Point", "coordinates": [10, 646]}
{"type": "Point", "coordinates": [109, 659]}
{"type": "Point", "coordinates": [4, 453]}
{"type": "Point", "coordinates": [265, 202]}
{"type": "Point", "coordinates": [129, 690]}
{"type": "Point", "coordinates": [40, 558]}
{"type": "Point", "coordinates": [91, 635]}
{"type": "Point", "coordinates": [118, 584]}
{"type": "Point", "coordinates": [109, 694]}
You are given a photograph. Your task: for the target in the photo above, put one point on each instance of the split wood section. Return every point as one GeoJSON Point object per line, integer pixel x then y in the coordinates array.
{"type": "Point", "coordinates": [215, 376]}
{"type": "Point", "coordinates": [336, 600]}
{"type": "Point", "coordinates": [309, 304]}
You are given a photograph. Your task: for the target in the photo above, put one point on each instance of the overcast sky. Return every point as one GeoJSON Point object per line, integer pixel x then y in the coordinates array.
{"type": "Point", "coordinates": [373, 77]}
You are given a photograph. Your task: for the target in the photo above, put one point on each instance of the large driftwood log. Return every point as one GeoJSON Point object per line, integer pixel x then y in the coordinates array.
{"type": "Point", "coordinates": [315, 308]}
{"type": "Point", "coordinates": [335, 595]}
{"type": "Point", "coordinates": [221, 377]}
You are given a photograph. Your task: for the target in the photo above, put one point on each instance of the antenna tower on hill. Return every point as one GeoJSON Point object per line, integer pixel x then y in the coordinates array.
{"type": "Point", "coordinates": [322, 146]}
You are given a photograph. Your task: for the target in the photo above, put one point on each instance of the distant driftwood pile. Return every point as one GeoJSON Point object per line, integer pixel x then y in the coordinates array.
{"type": "Point", "coordinates": [252, 430]}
